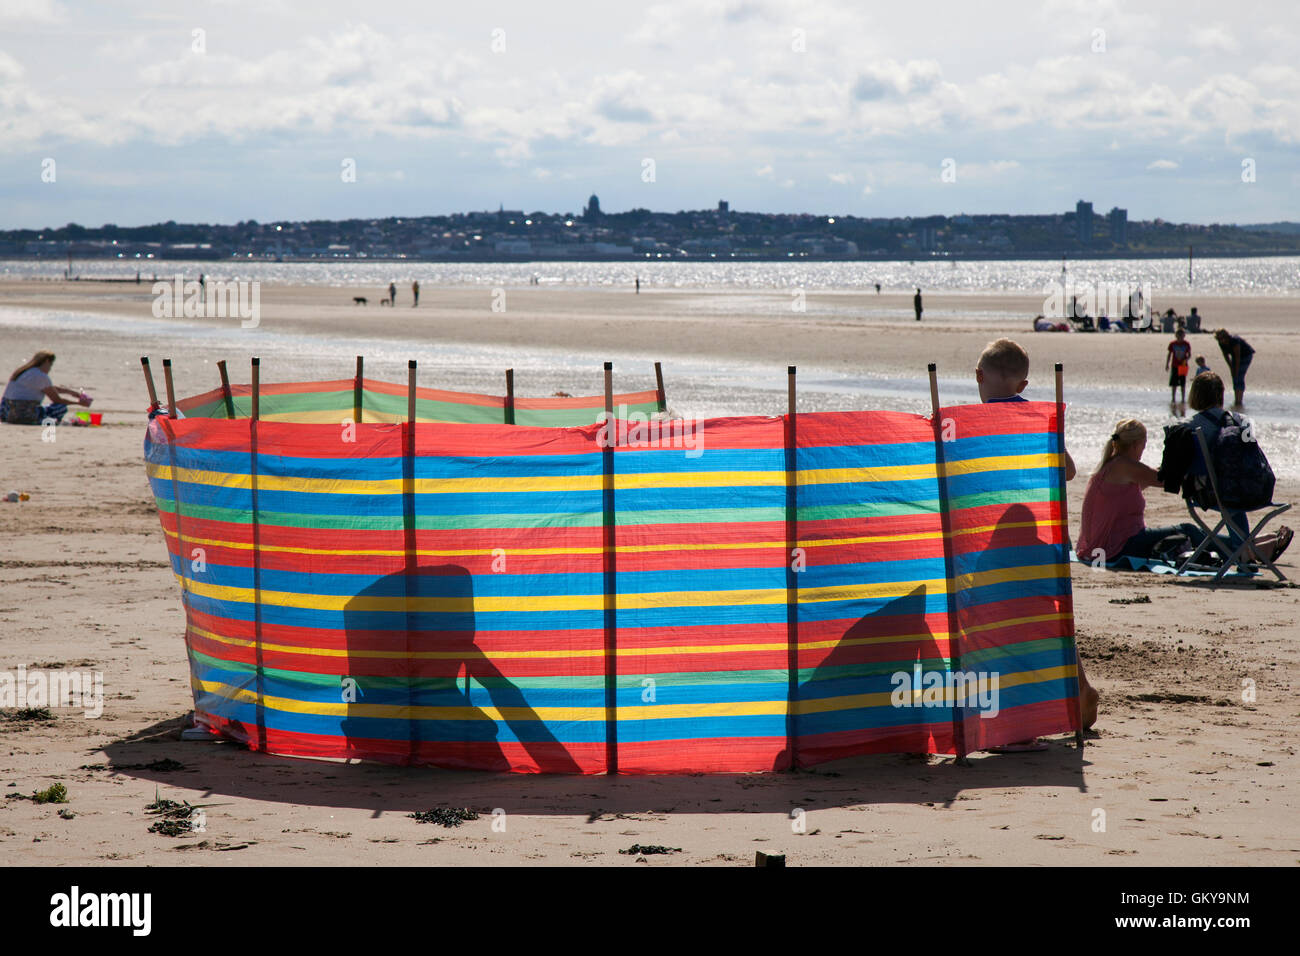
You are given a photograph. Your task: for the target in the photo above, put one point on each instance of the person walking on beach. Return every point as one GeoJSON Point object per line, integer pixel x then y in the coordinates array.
{"type": "Point", "coordinates": [638, 285]}
{"type": "Point", "coordinates": [30, 382]}
{"type": "Point", "coordinates": [1237, 353]}
{"type": "Point", "coordinates": [1177, 357]}
{"type": "Point", "coordinates": [415, 293]}
{"type": "Point", "coordinates": [877, 288]}
{"type": "Point", "coordinates": [916, 304]}
{"type": "Point", "coordinates": [392, 293]}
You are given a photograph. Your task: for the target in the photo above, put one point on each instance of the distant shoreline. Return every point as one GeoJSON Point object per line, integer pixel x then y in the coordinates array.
{"type": "Point", "coordinates": [479, 258]}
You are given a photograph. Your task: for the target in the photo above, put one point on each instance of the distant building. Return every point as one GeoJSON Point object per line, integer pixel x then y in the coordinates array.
{"type": "Point", "coordinates": [592, 210]}
{"type": "Point", "coordinates": [724, 207]}
{"type": "Point", "coordinates": [1083, 221]}
{"type": "Point", "coordinates": [1118, 226]}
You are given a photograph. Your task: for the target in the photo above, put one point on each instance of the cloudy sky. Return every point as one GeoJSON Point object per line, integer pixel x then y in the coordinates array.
{"type": "Point", "coordinates": [237, 109]}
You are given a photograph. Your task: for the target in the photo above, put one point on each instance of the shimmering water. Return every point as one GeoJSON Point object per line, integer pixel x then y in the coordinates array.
{"type": "Point", "coordinates": [1256, 276]}
{"type": "Point", "coordinates": [695, 388]}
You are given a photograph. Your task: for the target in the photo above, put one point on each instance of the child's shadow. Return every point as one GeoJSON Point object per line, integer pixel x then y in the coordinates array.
{"type": "Point", "coordinates": [845, 701]}
{"type": "Point", "coordinates": [423, 692]}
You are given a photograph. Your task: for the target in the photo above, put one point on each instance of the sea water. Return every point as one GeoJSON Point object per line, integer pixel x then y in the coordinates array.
{"type": "Point", "coordinates": [696, 388]}
{"type": "Point", "coordinates": [1276, 276]}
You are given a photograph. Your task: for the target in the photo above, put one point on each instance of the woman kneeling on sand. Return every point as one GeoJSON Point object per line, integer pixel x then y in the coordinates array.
{"type": "Point", "coordinates": [30, 382]}
{"type": "Point", "coordinates": [1114, 509]}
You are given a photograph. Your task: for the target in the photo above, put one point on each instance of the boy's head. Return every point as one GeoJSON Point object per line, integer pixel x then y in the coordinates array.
{"type": "Point", "coordinates": [1180, 335]}
{"type": "Point", "coordinates": [1200, 360]}
{"type": "Point", "coordinates": [1206, 392]}
{"type": "Point", "coordinates": [1002, 371]}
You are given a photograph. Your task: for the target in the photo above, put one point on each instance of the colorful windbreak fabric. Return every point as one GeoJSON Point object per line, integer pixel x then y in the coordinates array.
{"type": "Point", "coordinates": [332, 402]}
{"type": "Point", "coordinates": [736, 594]}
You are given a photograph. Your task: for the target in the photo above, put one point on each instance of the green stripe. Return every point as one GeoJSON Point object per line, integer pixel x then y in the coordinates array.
{"type": "Point", "coordinates": [384, 403]}
{"type": "Point", "coordinates": [631, 681]}
{"type": "Point", "coordinates": [384, 522]}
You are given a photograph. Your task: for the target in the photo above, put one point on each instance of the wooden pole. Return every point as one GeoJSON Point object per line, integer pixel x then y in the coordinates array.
{"type": "Point", "coordinates": [225, 389]}
{"type": "Point", "coordinates": [510, 396]}
{"type": "Point", "coordinates": [410, 569]}
{"type": "Point", "coordinates": [611, 579]}
{"type": "Point", "coordinates": [410, 391]}
{"type": "Point", "coordinates": [659, 386]}
{"type": "Point", "coordinates": [148, 382]}
{"type": "Point", "coordinates": [950, 572]}
{"type": "Point", "coordinates": [357, 387]}
{"type": "Point", "coordinates": [1065, 528]}
{"type": "Point", "coordinates": [257, 387]}
{"type": "Point", "coordinates": [171, 393]}
{"type": "Point", "coordinates": [791, 576]}
{"type": "Point", "coordinates": [256, 529]}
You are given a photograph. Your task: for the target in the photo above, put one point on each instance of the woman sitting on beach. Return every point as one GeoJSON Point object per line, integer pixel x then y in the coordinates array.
{"type": "Point", "coordinates": [1114, 508]}
{"type": "Point", "coordinates": [30, 382]}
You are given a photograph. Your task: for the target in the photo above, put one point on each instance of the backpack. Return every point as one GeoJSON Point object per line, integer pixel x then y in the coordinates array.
{"type": "Point", "coordinates": [1245, 479]}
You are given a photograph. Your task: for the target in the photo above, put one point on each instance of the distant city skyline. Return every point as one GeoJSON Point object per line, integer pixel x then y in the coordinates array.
{"type": "Point", "coordinates": [230, 110]}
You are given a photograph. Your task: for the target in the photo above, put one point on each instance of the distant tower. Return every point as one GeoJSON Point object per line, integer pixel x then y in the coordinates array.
{"type": "Point", "coordinates": [1083, 220]}
{"type": "Point", "coordinates": [724, 207]}
{"type": "Point", "coordinates": [1118, 226]}
{"type": "Point", "coordinates": [593, 208]}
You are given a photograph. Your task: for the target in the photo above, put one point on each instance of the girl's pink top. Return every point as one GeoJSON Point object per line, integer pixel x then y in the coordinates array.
{"type": "Point", "coordinates": [1111, 515]}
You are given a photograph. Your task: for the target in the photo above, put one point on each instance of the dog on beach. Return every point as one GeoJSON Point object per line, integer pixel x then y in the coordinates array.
{"type": "Point", "coordinates": [359, 300]}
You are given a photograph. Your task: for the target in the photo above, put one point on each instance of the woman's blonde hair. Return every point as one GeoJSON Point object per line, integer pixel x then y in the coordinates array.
{"type": "Point", "coordinates": [40, 358]}
{"type": "Point", "coordinates": [1127, 433]}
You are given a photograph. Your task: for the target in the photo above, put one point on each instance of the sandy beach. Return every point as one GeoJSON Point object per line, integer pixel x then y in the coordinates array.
{"type": "Point", "coordinates": [1185, 770]}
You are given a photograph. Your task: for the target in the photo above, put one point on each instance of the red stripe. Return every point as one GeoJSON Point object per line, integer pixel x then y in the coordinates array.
{"type": "Point", "coordinates": [453, 755]}
{"type": "Point", "coordinates": [830, 429]}
{"type": "Point", "coordinates": [1001, 418]}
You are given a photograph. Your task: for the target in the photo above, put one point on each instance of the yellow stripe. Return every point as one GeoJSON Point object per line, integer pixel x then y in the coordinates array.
{"type": "Point", "coordinates": [973, 466]}
{"type": "Point", "coordinates": [471, 484]}
{"type": "Point", "coordinates": [427, 712]}
{"type": "Point", "coordinates": [836, 476]}
{"type": "Point", "coordinates": [622, 548]}
{"type": "Point", "coordinates": [652, 712]}
{"type": "Point", "coordinates": [823, 476]}
{"type": "Point", "coordinates": [487, 604]}
{"type": "Point", "coordinates": [950, 695]}
{"type": "Point", "coordinates": [479, 654]}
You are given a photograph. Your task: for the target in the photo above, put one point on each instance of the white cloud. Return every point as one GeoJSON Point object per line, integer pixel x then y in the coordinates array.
{"type": "Point", "coordinates": [1162, 164]}
{"type": "Point", "coordinates": [11, 71]}
{"type": "Point", "coordinates": [842, 179]}
{"type": "Point", "coordinates": [1214, 38]}
{"type": "Point", "coordinates": [32, 11]}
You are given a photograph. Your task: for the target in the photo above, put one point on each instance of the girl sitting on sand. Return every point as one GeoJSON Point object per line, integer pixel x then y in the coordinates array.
{"type": "Point", "coordinates": [1114, 508]}
{"type": "Point", "coordinates": [30, 382]}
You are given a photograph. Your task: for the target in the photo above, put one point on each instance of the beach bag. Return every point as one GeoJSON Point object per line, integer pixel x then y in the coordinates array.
{"type": "Point", "coordinates": [1245, 478]}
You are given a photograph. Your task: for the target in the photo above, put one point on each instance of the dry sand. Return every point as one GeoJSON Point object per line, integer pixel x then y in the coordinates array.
{"type": "Point", "coordinates": [1185, 771]}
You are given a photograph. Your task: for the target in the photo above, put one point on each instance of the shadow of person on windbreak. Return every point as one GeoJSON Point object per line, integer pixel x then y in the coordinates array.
{"type": "Point", "coordinates": [1018, 541]}
{"type": "Point", "coordinates": [459, 680]}
{"type": "Point", "coordinates": [858, 666]}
